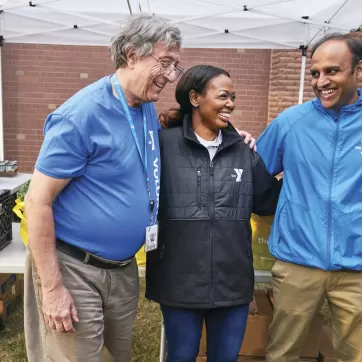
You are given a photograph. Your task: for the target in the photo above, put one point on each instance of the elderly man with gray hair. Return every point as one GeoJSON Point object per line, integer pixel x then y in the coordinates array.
{"type": "Point", "coordinates": [93, 201]}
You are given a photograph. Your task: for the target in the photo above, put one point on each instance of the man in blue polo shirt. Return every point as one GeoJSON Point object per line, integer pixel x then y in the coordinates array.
{"type": "Point", "coordinates": [93, 200]}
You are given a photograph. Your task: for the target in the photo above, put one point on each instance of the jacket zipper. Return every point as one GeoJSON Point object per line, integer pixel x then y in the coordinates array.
{"type": "Point", "coordinates": [199, 188]}
{"type": "Point", "coordinates": [329, 241]}
{"type": "Point", "coordinates": [212, 209]}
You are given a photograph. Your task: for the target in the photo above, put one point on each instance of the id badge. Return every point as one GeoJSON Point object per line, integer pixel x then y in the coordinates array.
{"type": "Point", "coordinates": [151, 237]}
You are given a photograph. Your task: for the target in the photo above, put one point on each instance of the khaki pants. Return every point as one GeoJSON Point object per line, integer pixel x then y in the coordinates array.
{"type": "Point", "coordinates": [299, 293]}
{"type": "Point", "coordinates": [106, 301]}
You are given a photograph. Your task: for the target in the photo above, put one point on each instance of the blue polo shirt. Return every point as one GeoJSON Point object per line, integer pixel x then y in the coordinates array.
{"type": "Point", "coordinates": [105, 207]}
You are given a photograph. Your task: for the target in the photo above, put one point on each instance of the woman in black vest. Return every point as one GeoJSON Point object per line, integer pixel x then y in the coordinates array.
{"type": "Point", "coordinates": [211, 182]}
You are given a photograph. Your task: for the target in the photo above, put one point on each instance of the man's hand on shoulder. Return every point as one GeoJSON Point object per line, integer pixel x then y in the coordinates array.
{"type": "Point", "coordinates": [248, 139]}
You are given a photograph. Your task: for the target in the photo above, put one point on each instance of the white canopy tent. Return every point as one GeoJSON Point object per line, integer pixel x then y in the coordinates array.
{"type": "Point", "coordinates": [289, 24]}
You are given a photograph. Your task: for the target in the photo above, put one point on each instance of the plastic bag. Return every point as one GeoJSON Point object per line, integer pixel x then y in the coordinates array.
{"type": "Point", "coordinates": [141, 257]}
{"type": "Point", "coordinates": [19, 210]}
{"type": "Point", "coordinates": [261, 226]}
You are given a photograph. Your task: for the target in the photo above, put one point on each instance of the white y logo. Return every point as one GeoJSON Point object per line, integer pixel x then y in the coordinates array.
{"type": "Point", "coordinates": [239, 172]}
{"type": "Point", "coordinates": [152, 140]}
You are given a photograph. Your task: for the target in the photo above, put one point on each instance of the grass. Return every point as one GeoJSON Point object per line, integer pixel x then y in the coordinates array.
{"type": "Point", "coordinates": [147, 330]}
{"type": "Point", "coordinates": [12, 346]}
{"type": "Point", "coordinates": [146, 338]}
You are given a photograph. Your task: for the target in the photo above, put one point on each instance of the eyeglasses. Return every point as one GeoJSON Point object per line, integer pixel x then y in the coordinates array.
{"type": "Point", "coordinates": [169, 68]}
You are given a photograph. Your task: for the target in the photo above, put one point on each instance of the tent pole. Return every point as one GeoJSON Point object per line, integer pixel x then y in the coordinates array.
{"type": "Point", "coordinates": [302, 74]}
{"type": "Point", "coordinates": [163, 343]}
{"type": "Point", "coordinates": [129, 7]}
{"type": "Point", "coordinates": [304, 49]}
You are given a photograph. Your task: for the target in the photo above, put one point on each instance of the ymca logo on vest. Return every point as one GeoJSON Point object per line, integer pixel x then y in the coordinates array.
{"type": "Point", "coordinates": [239, 172]}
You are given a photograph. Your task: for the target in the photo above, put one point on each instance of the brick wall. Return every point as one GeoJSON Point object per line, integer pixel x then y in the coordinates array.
{"type": "Point", "coordinates": [38, 78]}
{"type": "Point", "coordinates": [284, 80]}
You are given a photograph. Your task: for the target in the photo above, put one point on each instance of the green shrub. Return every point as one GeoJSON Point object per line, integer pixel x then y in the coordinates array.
{"type": "Point", "coordinates": [23, 190]}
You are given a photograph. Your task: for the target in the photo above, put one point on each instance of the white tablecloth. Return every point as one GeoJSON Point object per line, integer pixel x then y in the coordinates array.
{"type": "Point", "coordinates": [12, 257]}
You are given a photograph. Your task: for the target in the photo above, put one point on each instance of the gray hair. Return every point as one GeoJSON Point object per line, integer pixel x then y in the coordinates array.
{"type": "Point", "coordinates": [142, 32]}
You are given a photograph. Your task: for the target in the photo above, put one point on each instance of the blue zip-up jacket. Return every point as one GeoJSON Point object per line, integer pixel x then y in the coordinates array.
{"type": "Point", "coordinates": [318, 222]}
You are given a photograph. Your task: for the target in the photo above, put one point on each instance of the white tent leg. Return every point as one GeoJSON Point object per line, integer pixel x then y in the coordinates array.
{"type": "Point", "coordinates": [163, 344]}
{"type": "Point", "coordinates": [302, 75]}
{"type": "Point", "coordinates": [304, 49]}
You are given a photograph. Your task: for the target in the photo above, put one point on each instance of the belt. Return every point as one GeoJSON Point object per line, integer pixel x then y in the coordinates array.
{"type": "Point", "coordinates": [88, 258]}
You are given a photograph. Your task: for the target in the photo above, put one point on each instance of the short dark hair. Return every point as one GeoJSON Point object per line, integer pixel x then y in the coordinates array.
{"type": "Point", "coordinates": [196, 78]}
{"type": "Point", "coordinates": [354, 45]}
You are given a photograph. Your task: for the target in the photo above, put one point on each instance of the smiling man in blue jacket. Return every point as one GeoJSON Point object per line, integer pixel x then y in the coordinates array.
{"type": "Point", "coordinates": [317, 233]}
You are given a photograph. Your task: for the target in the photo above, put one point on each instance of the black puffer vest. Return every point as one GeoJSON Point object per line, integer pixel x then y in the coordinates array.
{"type": "Point", "coordinates": [204, 256]}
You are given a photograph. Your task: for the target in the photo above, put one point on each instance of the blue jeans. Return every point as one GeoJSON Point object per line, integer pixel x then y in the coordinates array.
{"type": "Point", "coordinates": [225, 329]}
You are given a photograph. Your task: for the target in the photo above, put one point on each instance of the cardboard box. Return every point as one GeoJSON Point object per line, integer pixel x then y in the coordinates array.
{"type": "Point", "coordinates": [6, 306]}
{"type": "Point", "coordinates": [312, 343]}
{"type": "Point", "coordinates": [256, 334]}
{"type": "Point", "coordinates": [327, 352]}
{"type": "Point", "coordinates": [6, 282]}
{"type": "Point", "coordinates": [10, 289]}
